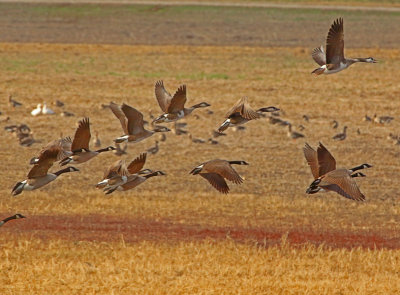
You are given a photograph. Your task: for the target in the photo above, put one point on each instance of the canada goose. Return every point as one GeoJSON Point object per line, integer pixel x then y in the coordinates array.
{"type": "Point", "coordinates": [59, 103]}
{"type": "Point", "coordinates": [306, 118]}
{"type": "Point", "coordinates": [195, 140]}
{"type": "Point", "coordinates": [38, 176]}
{"type": "Point", "coordinates": [12, 102]}
{"type": "Point", "coordinates": [96, 140]}
{"type": "Point", "coordinates": [382, 119]}
{"type": "Point", "coordinates": [173, 106]}
{"type": "Point", "coordinates": [328, 177]}
{"type": "Point", "coordinates": [162, 137]}
{"type": "Point", "coordinates": [301, 127]}
{"type": "Point", "coordinates": [333, 60]}
{"type": "Point", "coordinates": [118, 173]}
{"type": "Point", "coordinates": [135, 180]}
{"type": "Point", "coordinates": [367, 118]}
{"type": "Point", "coordinates": [178, 129]}
{"type": "Point", "coordinates": [242, 113]}
{"type": "Point", "coordinates": [15, 216]}
{"type": "Point", "coordinates": [80, 145]}
{"type": "Point", "coordinates": [212, 141]}
{"type": "Point", "coordinates": [273, 120]}
{"type": "Point", "coordinates": [132, 124]}
{"type": "Point", "coordinates": [63, 144]}
{"type": "Point", "coordinates": [216, 134]}
{"type": "Point", "coordinates": [154, 149]}
{"type": "Point", "coordinates": [67, 114]}
{"type": "Point", "coordinates": [215, 171]}
{"type": "Point", "coordinates": [120, 151]}
{"type": "Point", "coordinates": [46, 110]}
{"type": "Point", "coordinates": [341, 136]}
{"type": "Point", "coordinates": [37, 111]}
{"type": "Point", "coordinates": [27, 140]}
{"type": "Point", "coordinates": [335, 124]}
{"type": "Point", "coordinates": [293, 134]}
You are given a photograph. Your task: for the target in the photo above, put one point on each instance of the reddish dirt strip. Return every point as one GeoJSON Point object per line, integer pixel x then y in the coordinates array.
{"type": "Point", "coordinates": [114, 228]}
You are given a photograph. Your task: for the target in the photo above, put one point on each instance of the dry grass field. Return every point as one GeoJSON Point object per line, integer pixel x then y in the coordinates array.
{"type": "Point", "coordinates": [175, 234]}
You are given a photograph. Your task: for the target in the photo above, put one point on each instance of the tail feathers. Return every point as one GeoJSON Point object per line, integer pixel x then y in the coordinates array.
{"type": "Point", "coordinates": [318, 71]}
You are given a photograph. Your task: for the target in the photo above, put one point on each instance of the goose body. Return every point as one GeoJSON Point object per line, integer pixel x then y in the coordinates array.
{"type": "Point", "coordinates": [341, 136]}
{"type": "Point", "coordinates": [80, 145]}
{"type": "Point", "coordinates": [39, 176]}
{"type": "Point", "coordinates": [132, 124]}
{"type": "Point", "coordinates": [136, 180]}
{"type": "Point", "coordinates": [329, 178]}
{"type": "Point", "coordinates": [242, 113]}
{"type": "Point", "coordinates": [216, 171]}
{"type": "Point", "coordinates": [37, 111]}
{"type": "Point", "coordinates": [333, 60]}
{"type": "Point", "coordinates": [173, 106]}
{"type": "Point", "coordinates": [46, 110]}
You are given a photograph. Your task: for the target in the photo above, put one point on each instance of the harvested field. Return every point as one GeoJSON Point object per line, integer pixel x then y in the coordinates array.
{"type": "Point", "coordinates": [175, 234]}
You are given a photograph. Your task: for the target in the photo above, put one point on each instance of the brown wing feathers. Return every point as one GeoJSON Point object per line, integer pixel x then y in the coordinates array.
{"type": "Point", "coordinates": [82, 136]}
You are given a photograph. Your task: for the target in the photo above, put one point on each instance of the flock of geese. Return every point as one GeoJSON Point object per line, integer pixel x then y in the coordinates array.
{"type": "Point", "coordinates": [123, 176]}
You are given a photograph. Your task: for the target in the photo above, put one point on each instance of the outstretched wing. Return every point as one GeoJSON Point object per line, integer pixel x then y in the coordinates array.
{"type": "Point", "coordinates": [243, 108]}
{"type": "Point", "coordinates": [82, 136]}
{"type": "Point", "coordinates": [335, 43]}
{"type": "Point", "coordinates": [178, 100]}
{"type": "Point", "coordinates": [135, 119]}
{"type": "Point", "coordinates": [136, 165]}
{"type": "Point", "coordinates": [162, 95]}
{"type": "Point", "coordinates": [44, 162]}
{"type": "Point", "coordinates": [318, 54]}
{"type": "Point", "coordinates": [120, 115]}
{"type": "Point", "coordinates": [326, 161]}
{"type": "Point", "coordinates": [224, 169]}
{"type": "Point", "coordinates": [312, 159]}
{"type": "Point", "coordinates": [217, 181]}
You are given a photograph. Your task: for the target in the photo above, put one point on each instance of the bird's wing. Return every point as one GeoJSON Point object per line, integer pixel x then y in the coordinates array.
{"type": "Point", "coordinates": [82, 136]}
{"type": "Point", "coordinates": [45, 161]}
{"type": "Point", "coordinates": [136, 165]}
{"type": "Point", "coordinates": [243, 108]}
{"type": "Point", "coordinates": [335, 43]}
{"type": "Point", "coordinates": [318, 54]}
{"type": "Point", "coordinates": [116, 109]}
{"type": "Point", "coordinates": [113, 169]}
{"type": "Point", "coordinates": [326, 161]}
{"type": "Point", "coordinates": [312, 159]}
{"type": "Point", "coordinates": [162, 95]}
{"type": "Point", "coordinates": [224, 169]}
{"type": "Point", "coordinates": [135, 119]}
{"type": "Point", "coordinates": [343, 184]}
{"type": "Point", "coordinates": [217, 181]}
{"type": "Point", "coordinates": [178, 100]}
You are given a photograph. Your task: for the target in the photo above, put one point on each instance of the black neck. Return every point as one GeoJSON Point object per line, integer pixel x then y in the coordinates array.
{"type": "Point", "coordinates": [362, 166]}
{"type": "Point", "coordinates": [9, 218]}
{"type": "Point", "coordinates": [236, 162]}
{"type": "Point", "coordinates": [104, 150]}
{"type": "Point", "coordinates": [58, 173]}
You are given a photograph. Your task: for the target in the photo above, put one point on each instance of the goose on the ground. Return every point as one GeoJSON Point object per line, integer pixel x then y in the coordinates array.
{"type": "Point", "coordinates": [342, 135]}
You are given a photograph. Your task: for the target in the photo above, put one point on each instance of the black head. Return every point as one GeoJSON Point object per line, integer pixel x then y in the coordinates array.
{"type": "Point", "coordinates": [161, 129]}
{"type": "Point", "coordinates": [201, 105]}
{"type": "Point", "coordinates": [17, 216]}
{"type": "Point", "coordinates": [371, 60]}
{"type": "Point", "coordinates": [72, 169]}
{"type": "Point", "coordinates": [238, 162]}
{"type": "Point", "coordinates": [18, 188]}
{"type": "Point", "coordinates": [269, 110]}
{"type": "Point", "coordinates": [111, 148]}
{"type": "Point", "coordinates": [366, 165]}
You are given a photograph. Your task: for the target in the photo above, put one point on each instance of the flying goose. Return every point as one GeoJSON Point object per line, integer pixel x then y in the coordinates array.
{"type": "Point", "coordinates": [173, 106]}
{"type": "Point", "coordinates": [327, 177]}
{"type": "Point", "coordinates": [118, 173]}
{"type": "Point", "coordinates": [38, 176]}
{"type": "Point", "coordinates": [215, 171]}
{"type": "Point", "coordinates": [333, 60]}
{"type": "Point", "coordinates": [242, 113]}
{"type": "Point", "coordinates": [80, 145]}
{"type": "Point", "coordinates": [15, 216]}
{"type": "Point", "coordinates": [135, 180]}
{"type": "Point", "coordinates": [341, 136]}
{"type": "Point", "coordinates": [63, 145]}
{"type": "Point", "coordinates": [132, 124]}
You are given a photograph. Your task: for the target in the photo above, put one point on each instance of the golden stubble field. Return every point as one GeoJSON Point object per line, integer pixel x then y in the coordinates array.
{"type": "Point", "coordinates": [272, 199]}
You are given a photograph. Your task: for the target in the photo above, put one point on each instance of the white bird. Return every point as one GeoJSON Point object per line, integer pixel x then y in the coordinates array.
{"type": "Point", "coordinates": [37, 111]}
{"type": "Point", "coordinates": [46, 110]}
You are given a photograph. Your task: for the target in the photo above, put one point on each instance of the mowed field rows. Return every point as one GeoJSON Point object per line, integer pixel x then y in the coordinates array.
{"type": "Point", "coordinates": [241, 232]}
